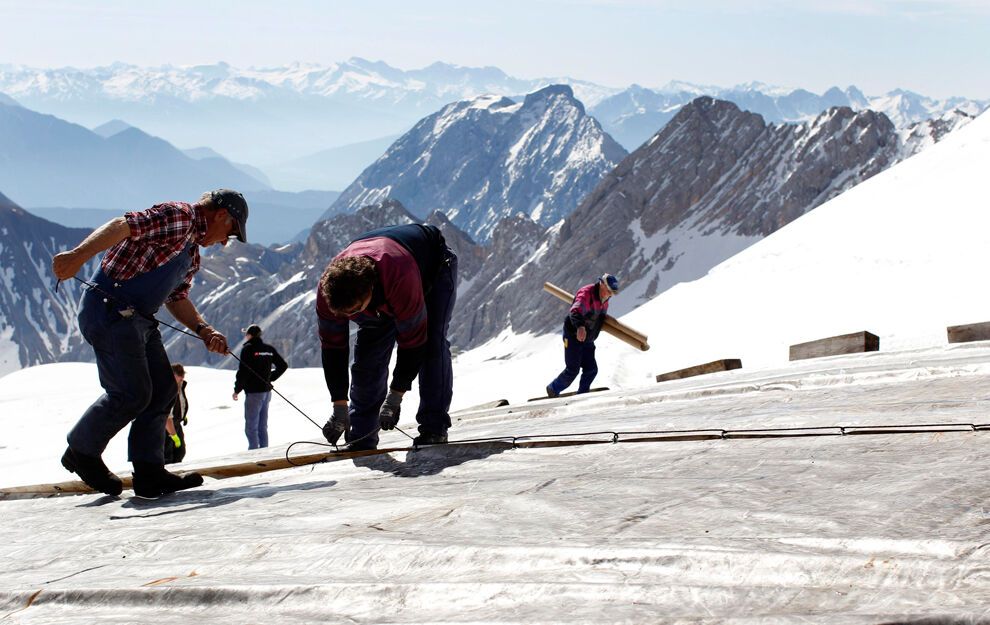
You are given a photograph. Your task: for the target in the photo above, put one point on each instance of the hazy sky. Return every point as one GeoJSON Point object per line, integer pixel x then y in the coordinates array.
{"type": "Point", "coordinates": [935, 47]}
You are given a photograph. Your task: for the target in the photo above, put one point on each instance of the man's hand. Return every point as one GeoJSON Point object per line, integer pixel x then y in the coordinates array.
{"type": "Point", "coordinates": [582, 333]}
{"type": "Point", "coordinates": [215, 341]}
{"type": "Point", "coordinates": [67, 264]}
{"type": "Point", "coordinates": [339, 423]}
{"type": "Point", "coordinates": [388, 417]}
{"type": "Point", "coordinates": [176, 440]}
{"type": "Point", "coordinates": [234, 396]}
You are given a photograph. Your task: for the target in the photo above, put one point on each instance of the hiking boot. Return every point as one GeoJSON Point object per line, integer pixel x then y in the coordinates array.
{"type": "Point", "coordinates": [152, 480]}
{"type": "Point", "coordinates": [430, 438]}
{"type": "Point", "coordinates": [551, 392]}
{"type": "Point", "coordinates": [91, 470]}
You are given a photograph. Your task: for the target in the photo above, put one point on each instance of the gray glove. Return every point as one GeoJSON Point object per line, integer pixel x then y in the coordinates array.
{"type": "Point", "coordinates": [339, 423]}
{"type": "Point", "coordinates": [388, 417]}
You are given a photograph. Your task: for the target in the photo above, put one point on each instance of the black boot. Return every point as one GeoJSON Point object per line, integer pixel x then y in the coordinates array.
{"type": "Point", "coordinates": [430, 438]}
{"type": "Point", "coordinates": [152, 480]}
{"type": "Point", "coordinates": [91, 470]}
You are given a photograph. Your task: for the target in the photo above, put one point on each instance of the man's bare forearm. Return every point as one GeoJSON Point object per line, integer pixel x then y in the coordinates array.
{"type": "Point", "coordinates": [67, 264]}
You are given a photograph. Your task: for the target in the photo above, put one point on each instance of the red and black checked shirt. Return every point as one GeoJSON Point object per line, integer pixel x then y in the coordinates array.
{"type": "Point", "coordinates": [157, 236]}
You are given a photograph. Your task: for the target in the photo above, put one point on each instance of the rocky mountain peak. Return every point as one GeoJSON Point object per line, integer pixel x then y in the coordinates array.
{"type": "Point", "coordinates": [483, 159]}
{"type": "Point", "coordinates": [551, 93]}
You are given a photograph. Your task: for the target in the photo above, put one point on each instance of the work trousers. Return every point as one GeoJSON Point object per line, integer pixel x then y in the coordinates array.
{"type": "Point", "coordinates": [373, 350]}
{"type": "Point", "coordinates": [578, 358]}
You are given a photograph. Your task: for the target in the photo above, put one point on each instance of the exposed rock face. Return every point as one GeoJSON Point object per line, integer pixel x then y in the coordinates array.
{"type": "Point", "coordinates": [37, 325]}
{"type": "Point", "coordinates": [479, 161]}
{"type": "Point", "coordinates": [715, 180]}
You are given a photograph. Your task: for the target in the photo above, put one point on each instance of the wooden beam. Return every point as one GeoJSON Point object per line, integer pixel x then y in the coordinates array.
{"type": "Point", "coordinates": [854, 343]}
{"type": "Point", "coordinates": [968, 333]}
{"type": "Point", "coordinates": [714, 366]}
{"type": "Point", "coordinates": [611, 326]}
{"type": "Point", "coordinates": [594, 390]}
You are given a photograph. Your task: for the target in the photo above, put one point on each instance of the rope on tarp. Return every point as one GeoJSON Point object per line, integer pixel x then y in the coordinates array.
{"type": "Point", "coordinates": [571, 439]}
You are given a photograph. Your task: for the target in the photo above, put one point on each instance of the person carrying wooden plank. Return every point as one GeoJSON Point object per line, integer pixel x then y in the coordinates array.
{"type": "Point", "coordinates": [581, 327]}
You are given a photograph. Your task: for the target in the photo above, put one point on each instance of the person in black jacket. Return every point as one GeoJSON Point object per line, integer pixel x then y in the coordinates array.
{"type": "Point", "coordinates": [175, 437]}
{"type": "Point", "coordinates": [260, 365]}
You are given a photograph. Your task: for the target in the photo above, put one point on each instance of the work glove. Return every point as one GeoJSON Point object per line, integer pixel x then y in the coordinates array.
{"type": "Point", "coordinates": [339, 423]}
{"type": "Point", "coordinates": [176, 440]}
{"type": "Point", "coordinates": [388, 417]}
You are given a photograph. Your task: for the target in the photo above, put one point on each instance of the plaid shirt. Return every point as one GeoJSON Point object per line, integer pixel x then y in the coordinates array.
{"type": "Point", "coordinates": [157, 236]}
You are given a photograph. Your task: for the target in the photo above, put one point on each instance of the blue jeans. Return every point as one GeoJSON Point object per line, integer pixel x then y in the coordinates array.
{"type": "Point", "coordinates": [373, 350]}
{"type": "Point", "coordinates": [256, 418]}
{"type": "Point", "coordinates": [578, 358]}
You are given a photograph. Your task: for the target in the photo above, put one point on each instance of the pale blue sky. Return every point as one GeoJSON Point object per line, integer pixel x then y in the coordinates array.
{"type": "Point", "coordinates": [935, 47]}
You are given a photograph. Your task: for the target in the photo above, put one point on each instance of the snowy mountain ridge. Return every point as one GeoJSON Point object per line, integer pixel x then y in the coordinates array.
{"type": "Point", "coordinates": [481, 160]}
{"type": "Point", "coordinates": [713, 182]}
{"type": "Point", "coordinates": [635, 114]}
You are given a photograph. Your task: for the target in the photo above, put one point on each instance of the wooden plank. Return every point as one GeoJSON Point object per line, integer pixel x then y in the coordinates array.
{"type": "Point", "coordinates": [726, 364]}
{"type": "Point", "coordinates": [855, 343]}
{"type": "Point", "coordinates": [77, 487]}
{"type": "Point", "coordinates": [611, 325]}
{"type": "Point", "coordinates": [611, 321]}
{"type": "Point", "coordinates": [969, 332]}
{"type": "Point", "coordinates": [594, 390]}
{"type": "Point", "coordinates": [498, 403]}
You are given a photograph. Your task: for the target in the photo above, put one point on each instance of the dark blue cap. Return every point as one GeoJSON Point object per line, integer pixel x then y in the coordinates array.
{"type": "Point", "coordinates": [611, 282]}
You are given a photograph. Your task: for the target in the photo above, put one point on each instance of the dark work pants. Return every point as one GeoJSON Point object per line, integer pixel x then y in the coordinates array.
{"type": "Point", "coordinates": [137, 377]}
{"type": "Point", "coordinates": [578, 357]}
{"type": "Point", "coordinates": [373, 350]}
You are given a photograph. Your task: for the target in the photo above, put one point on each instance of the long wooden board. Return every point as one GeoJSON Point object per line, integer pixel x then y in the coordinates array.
{"type": "Point", "coordinates": [726, 364]}
{"type": "Point", "coordinates": [78, 487]}
{"type": "Point", "coordinates": [594, 390]}
{"type": "Point", "coordinates": [611, 326]}
{"type": "Point", "coordinates": [854, 343]}
{"type": "Point", "coordinates": [969, 332]}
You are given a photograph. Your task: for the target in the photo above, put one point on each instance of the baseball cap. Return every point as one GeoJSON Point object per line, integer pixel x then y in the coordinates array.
{"type": "Point", "coordinates": [611, 282]}
{"type": "Point", "coordinates": [236, 205]}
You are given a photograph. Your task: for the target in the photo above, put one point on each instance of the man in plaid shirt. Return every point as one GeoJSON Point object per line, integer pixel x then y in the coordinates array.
{"type": "Point", "coordinates": [151, 257]}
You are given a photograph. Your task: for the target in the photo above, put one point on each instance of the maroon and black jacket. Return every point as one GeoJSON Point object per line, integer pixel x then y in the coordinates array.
{"type": "Point", "coordinates": [587, 310]}
{"type": "Point", "coordinates": [407, 259]}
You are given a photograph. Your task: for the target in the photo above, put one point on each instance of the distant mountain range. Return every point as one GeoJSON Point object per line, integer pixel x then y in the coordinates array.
{"type": "Point", "coordinates": [637, 113]}
{"type": "Point", "coordinates": [56, 168]}
{"type": "Point", "coordinates": [478, 161]}
{"type": "Point", "coordinates": [715, 180]}
{"type": "Point", "coordinates": [270, 117]}
{"type": "Point", "coordinates": [45, 161]}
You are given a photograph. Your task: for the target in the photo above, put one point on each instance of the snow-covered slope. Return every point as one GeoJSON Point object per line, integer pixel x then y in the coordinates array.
{"type": "Point", "coordinates": [825, 529]}
{"type": "Point", "coordinates": [899, 255]}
